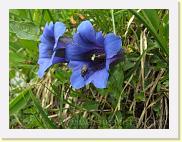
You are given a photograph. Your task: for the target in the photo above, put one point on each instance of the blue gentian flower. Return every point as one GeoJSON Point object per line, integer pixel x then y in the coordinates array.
{"type": "Point", "coordinates": [90, 55]}
{"type": "Point", "coordinates": [52, 43]}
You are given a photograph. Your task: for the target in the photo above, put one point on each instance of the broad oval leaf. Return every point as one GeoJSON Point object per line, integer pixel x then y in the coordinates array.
{"type": "Point", "coordinates": [25, 30]}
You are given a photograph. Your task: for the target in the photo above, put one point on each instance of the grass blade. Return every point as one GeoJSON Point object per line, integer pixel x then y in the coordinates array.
{"type": "Point", "coordinates": [19, 102]}
{"type": "Point", "coordinates": [48, 122]}
{"type": "Point", "coordinates": [152, 17]}
{"type": "Point", "coordinates": [152, 30]}
{"type": "Point", "coordinates": [113, 22]}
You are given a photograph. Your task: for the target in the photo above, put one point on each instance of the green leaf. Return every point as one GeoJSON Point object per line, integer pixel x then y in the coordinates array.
{"type": "Point", "coordinates": [78, 122]}
{"type": "Point", "coordinates": [47, 121]}
{"type": "Point", "coordinates": [36, 16]}
{"type": "Point", "coordinates": [117, 77]}
{"type": "Point", "coordinates": [25, 30]}
{"type": "Point", "coordinates": [152, 17]}
{"type": "Point", "coordinates": [165, 25]}
{"type": "Point", "coordinates": [62, 75]}
{"type": "Point", "coordinates": [90, 105]}
{"type": "Point", "coordinates": [103, 123]}
{"type": "Point", "coordinates": [129, 122]}
{"type": "Point", "coordinates": [135, 67]}
{"type": "Point", "coordinates": [12, 74]}
{"type": "Point", "coordinates": [140, 97]}
{"type": "Point", "coordinates": [156, 108]}
{"type": "Point", "coordinates": [17, 14]}
{"type": "Point", "coordinates": [19, 102]}
{"type": "Point", "coordinates": [15, 58]}
{"type": "Point", "coordinates": [128, 65]}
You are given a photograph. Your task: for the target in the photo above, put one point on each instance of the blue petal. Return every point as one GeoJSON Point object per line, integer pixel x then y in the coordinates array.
{"type": "Point", "coordinates": [45, 51]}
{"type": "Point", "coordinates": [115, 59]}
{"type": "Point", "coordinates": [75, 51]}
{"type": "Point", "coordinates": [77, 81]}
{"type": "Point", "coordinates": [112, 45]}
{"type": "Point", "coordinates": [48, 32]}
{"type": "Point", "coordinates": [71, 51]}
{"type": "Point", "coordinates": [63, 42]}
{"type": "Point", "coordinates": [59, 29]}
{"type": "Point", "coordinates": [108, 62]}
{"type": "Point", "coordinates": [49, 29]}
{"type": "Point", "coordinates": [99, 78]}
{"type": "Point", "coordinates": [48, 35]}
{"type": "Point", "coordinates": [47, 40]}
{"type": "Point", "coordinates": [76, 65]}
{"type": "Point", "coordinates": [79, 47]}
{"type": "Point", "coordinates": [56, 60]}
{"type": "Point", "coordinates": [44, 64]}
{"type": "Point", "coordinates": [82, 43]}
{"type": "Point", "coordinates": [99, 39]}
{"type": "Point", "coordinates": [87, 31]}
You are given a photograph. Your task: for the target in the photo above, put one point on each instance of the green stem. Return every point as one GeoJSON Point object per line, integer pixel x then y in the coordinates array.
{"type": "Point", "coordinates": [113, 22]}
{"type": "Point", "coordinates": [61, 99]}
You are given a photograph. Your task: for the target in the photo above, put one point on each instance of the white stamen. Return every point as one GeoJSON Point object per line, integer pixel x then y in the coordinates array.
{"type": "Point", "coordinates": [93, 57]}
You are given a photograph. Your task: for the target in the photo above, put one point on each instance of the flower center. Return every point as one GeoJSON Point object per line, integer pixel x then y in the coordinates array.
{"type": "Point", "coordinates": [60, 53]}
{"type": "Point", "coordinates": [99, 57]}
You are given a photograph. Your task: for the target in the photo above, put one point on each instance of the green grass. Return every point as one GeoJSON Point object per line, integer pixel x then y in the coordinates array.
{"type": "Point", "coordinates": [138, 87]}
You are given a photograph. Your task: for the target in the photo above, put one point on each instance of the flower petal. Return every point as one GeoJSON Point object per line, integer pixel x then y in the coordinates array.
{"type": "Point", "coordinates": [48, 35]}
{"type": "Point", "coordinates": [56, 60]}
{"type": "Point", "coordinates": [82, 43]}
{"type": "Point", "coordinates": [76, 65]}
{"type": "Point", "coordinates": [63, 42]}
{"type": "Point", "coordinates": [112, 45]}
{"type": "Point", "coordinates": [99, 39]}
{"type": "Point", "coordinates": [99, 78]}
{"type": "Point", "coordinates": [49, 29]}
{"type": "Point", "coordinates": [45, 51]}
{"type": "Point", "coordinates": [44, 64]}
{"type": "Point", "coordinates": [76, 51]}
{"type": "Point", "coordinates": [87, 31]}
{"type": "Point", "coordinates": [77, 81]}
{"type": "Point", "coordinates": [114, 60]}
{"type": "Point", "coordinates": [49, 40]}
{"type": "Point", "coordinates": [59, 29]}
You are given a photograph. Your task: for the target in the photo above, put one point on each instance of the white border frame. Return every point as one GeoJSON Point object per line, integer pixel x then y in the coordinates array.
{"type": "Point", "coordinates": [172, 132]}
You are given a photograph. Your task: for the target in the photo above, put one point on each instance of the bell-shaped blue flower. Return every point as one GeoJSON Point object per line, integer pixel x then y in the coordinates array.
{"type": "Point", "coordinates": [52, 43]}
{"type": "Point", "coordinates": [90, 55]}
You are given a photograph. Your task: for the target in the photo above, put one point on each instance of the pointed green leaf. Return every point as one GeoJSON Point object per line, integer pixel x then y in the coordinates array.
{"type": "Point", "coordinates": [19, 102]}
{"type": "Point", "coordinates": [49, 123]}
{"type": "Point", "coordinates": [152, 17]}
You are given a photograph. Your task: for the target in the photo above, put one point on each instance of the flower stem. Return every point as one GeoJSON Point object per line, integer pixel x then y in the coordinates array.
{"type": "Point", "coordinates": [113, 22]}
